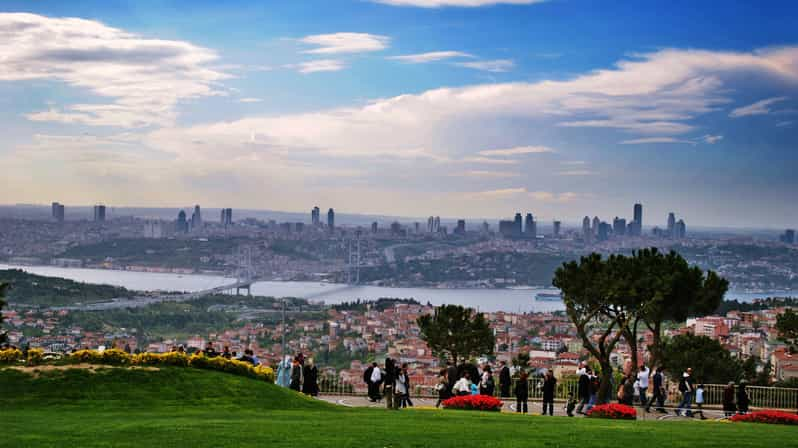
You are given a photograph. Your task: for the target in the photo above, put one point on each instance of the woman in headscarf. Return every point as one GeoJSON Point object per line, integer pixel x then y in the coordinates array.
{"type": "Point", "coordinates": [284, 372]}
{"type": "Point", "coordinates": [310, 384]}
{"type": "Point", "coordinates": [296, 375]}
{"type": "Point", "coordinates": [742, 398]}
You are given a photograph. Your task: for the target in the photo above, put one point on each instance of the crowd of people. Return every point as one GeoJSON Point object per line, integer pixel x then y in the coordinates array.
{"type": "Point", "coordinates": [391, 382]}
{"type": "Point", "coordinates": [299, 374]}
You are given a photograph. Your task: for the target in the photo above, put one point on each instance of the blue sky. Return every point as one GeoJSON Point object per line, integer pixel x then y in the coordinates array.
{"type": "Point", "coordinates": [461, 108]}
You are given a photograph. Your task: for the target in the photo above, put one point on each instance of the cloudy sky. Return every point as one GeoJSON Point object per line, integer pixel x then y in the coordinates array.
{"type": "Point", "coordinates": [460, 108]}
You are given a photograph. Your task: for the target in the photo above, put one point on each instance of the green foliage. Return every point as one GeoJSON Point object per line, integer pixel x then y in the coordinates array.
{"type": "Point", "coordinates": [711, 363]}
{"type": "Point", "coordinates": [381, 304]}
{"type": "Point", "coordinates": [456, 332]}
{"type": "Point", "coordinates": [787, 325]}
{"type": "Point", "coordinates": [3, 335]}
{"type": "Point", "coordinates": [31, 289]}
{"type": "Point", "coordinates": [757, 305]}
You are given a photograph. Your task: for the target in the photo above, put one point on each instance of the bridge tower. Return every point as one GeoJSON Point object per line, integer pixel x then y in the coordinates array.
{"type": "Point", "coordinates": [245, 273]}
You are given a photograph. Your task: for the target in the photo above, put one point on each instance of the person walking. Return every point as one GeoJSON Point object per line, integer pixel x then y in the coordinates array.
{"type": "Point", "coordinates": [296, 375]}
{"type": "Point", "coordinates": [729, 407]}
{"type": "Point", "coordinates": [453, 375]}
{"type": "Point", "coordinates": [658, 391]}
{"type": "Point", "coordinates": [405, 375]}
{"type": "Point", "coordinates": [444, 392]}
{"type": "Point", "coordinates": [389, 381]}
{"type": "Point", "coordinates": [284, 372]}
{"type": "Point", "coordinates": [549, 388]}
{"type": "Point", "coordinates": [522, 393]}
{"type": "Point", "coordinates": [699, 400]}
{"type": "Point", "coordinates": [583, 389]}
{"type": "Point", "coordinates": [375, 381]}
{"type": "Point", "coordinates": [310, 376]}
{"type": "Point", "coordinates": [686, 387]}
{"type": "Point", "coordinates": [486, 385]}
{"type": "Point", "coordinates": [743, 400]}
{"type": "Point", "coordinates": [642, 379]}
{"type": "Point", "coordinates": [505, 380]}
{"type": "Point", "coordinates": [400, 390]}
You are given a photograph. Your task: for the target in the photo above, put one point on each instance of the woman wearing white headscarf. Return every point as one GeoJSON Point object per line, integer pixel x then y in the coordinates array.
{"type": "Point", "coordinates": [284, 372]}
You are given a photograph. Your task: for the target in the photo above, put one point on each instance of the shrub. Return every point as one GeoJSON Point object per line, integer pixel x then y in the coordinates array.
{"type": "Point", "coordinates": [614, 411]}
{"type": "Point", "coordinates": [474, 403]}
{"type": "Point", "coordinates": [767, 416]}
{"type": "Point", "coordinates": [10, 356]}
{"type": "Point", "coordinates": [35, 356]}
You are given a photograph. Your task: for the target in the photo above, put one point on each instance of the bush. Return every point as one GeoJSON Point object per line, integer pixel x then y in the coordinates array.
{"type": "Point", "coordinates": [613, 411]}
{"type": "Point", "coordinates": [10, 356]}
{"type": "Point", "coordinates": [35, 356]}
{"type": "Point", "coordinates": [767, 416]}
{"type": "Point", "coordinates": [474, 403]}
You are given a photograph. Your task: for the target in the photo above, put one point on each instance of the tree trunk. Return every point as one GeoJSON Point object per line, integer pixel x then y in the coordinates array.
{"type": "Point", "coordinates": [656, 346]}
{"type": "Point", "coordinates": [606, 383]}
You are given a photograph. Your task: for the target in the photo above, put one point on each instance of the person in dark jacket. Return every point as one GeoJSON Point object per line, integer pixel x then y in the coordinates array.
{"type": "Point", "coordinates": [742, 398]}
{"type": "Point", "coordinates": [486, 384]}
{"type": "Point", "coordinates": [505, 380]}
{"type": "Point", "coordinates": [296, 375]}
{"type": "Point", "coordinates": [549, 386]}
{"type": "Point", "coordinates": [583, 390]}
{"type": "Point", "coordinates": [522, 393]}
{"type": "Point", "coordinates": [443, 388]}
{"type": "Point", "coordinates": [389, 381]}
{"type": "Point", "coordinates": [310, 374]}
{"type": "Point", "coordinates": [451, 375]}
{"type": "Point", "coordinates": [627, 392]}
{"type": "Point", "coordinates": [729, 407]}
{"type": "Point", "coordinates": [659, 392]}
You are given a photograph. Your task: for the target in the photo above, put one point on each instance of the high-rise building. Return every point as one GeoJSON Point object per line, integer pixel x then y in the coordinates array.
{"type": "Point", "coordinates": [460, 229]}
{"type": "Point", "coordinates": [226, 218]}
{"type": "Point", "coordinates": [196, 218]}
{"type": "Point", "coordinates": [181, 225]}
{"type": "Point", "coordinates": [680, 229]}
{"type": "Point", "coordinates": [430, 223]}
{"type": "Point", "coordinates": [586, 231]}
{"type": "Point", "coordinates": [417, 227]}
{"type": "Point", "coordinates": [436, 224]}
{"type": "Point", "coordinates": [506, 228]}
{"type": "Point", "coordinates": [595, 225]}
{"type": "Point", "coordinates": [619, 226]}
{"type": "Point", "coordinates": [99, 213]}
{"type": "Point", "coordinates": [604, 230]}
{"type": "Point", "coordinates": [788, 236]}
{"type": "Point", "coordinates": [638, 219]}
{"type": "Point", "coordinates": [518, 225]}
{"type": "Point", "coordinates": [530, 227]}
{"type": "Point", "coordinates": [153, 229]}
{"type": "Point", "coordinates": [374, 227]}
{"type": "Point", "coordinates": [315, 216]}
{"type": "Point", "coordinates": [671, 225]}
{"type": "Point", "coordinates": [485, 228]}
{"type": "Point", "coordinates": [556, 228]}
{"type": "Point", "coordinates": [331, 219]}
{"type": "Point", "coordinates": [58, 212]}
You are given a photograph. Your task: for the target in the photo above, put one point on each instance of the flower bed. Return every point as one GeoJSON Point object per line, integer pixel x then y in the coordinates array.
{"type": "Point", "coordinates": [767, 416]}
{"type": "Point", "coordinates": [613, 411]}
{"type": "Point", "coordinates": [474, 403]}
{"type": "Point", "coordinates": [10, 356]}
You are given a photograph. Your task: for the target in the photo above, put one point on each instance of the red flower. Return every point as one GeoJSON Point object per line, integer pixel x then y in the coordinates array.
{"type": "Point", "coordinates": [473, 403]}
{"type": "Point", "coordinates": [767, 416]}
{"type": "Point", "coordinates": [613, 411]}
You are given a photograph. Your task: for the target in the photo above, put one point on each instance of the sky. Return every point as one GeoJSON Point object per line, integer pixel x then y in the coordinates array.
{"type": "Point", "coordinates": [457, 108]}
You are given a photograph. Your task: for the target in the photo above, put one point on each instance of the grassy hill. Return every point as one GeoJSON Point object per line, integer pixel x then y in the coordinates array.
{"type": "Point", "coordinates": [186, 407]}
{"type": "Point", "coordinates": [31, 289]}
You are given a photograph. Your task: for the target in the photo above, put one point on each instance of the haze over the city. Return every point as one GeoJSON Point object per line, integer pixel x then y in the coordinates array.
{"type": "Point", "coordinates": [457, 108]}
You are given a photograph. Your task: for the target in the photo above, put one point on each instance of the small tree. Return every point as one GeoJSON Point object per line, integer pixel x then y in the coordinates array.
{"type": "Point", "coordinates": [456, 332]}
{"type": "Point", "coordinates": [711, 363]}
{"type": "Point", "coordinates": [787, 325]}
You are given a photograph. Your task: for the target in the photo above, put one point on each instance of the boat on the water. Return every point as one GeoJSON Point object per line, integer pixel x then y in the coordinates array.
{"type": "Point", "coordinates": [548, 297]}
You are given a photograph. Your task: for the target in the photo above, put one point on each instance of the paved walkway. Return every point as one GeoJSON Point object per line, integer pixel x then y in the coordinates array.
{"type": "Point", "coordinates": [510, 406]}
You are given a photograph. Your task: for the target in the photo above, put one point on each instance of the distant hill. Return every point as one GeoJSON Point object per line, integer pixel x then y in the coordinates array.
{"type": "Point", "coordinates": [31, 289]}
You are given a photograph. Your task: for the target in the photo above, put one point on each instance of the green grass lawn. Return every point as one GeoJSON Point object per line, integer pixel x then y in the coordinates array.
{"type": "Point", "coordinates": [192, 408]}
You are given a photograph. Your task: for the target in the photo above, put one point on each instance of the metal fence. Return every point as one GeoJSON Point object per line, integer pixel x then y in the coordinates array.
{"type": "Point", "coordinates": [761, 397]}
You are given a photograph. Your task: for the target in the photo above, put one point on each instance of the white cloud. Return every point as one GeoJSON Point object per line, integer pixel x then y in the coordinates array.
{"type": "Point", "coordinates": [519, 150]}
{"type": "Point", "coordinates": [432, 56]}
{"type": "Point", "coordinates": [759, 108]}
{"type": "Point", "coordinates": [576, 173]}
{"type": "Point", "coordinates": [516, 193]}
{"type": "Point", "coordinates": [460, 3]}
{"type": "Point", "coordinates": [319, 65]}
{"type": "Point", "coordinates": [494, 66]}
{"type": "Point", "coordinates": [338, 43]}
{"type": "Point", "coordinates": [145, 77]}
{"type": "Point", "coordinates": [783, 124]}
{"type": "Point", "coordinates": [250, 100]}
{"type": "Point", "coordinates": [650, 140]}
{"type": "Point", "coordinates": [487, 174]}
{"type": "Point", "coordinates": [711, 139]}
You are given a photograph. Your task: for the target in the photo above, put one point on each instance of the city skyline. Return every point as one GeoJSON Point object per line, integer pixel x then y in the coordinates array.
{"type": "Point", "coordinates": [387, 108]}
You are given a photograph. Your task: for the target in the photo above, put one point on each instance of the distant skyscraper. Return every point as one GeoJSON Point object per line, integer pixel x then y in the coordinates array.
{"type": "Point", "coordinates": [485, 227]}
{"type": "Point", "coordinates": [331, 219]}
{"type": "Point", "coordinates": [586, 231]}
{"type": "Point", "coordinates": [518, 225]}
{"type": "Point", "coordinates": [196, 218]}
{"type": "Point", "coordinates": [530, 227]}
{"type": "Point", "coordinates": [430, 223]}
{"type": "Point", "coordinates": [638, 219]}
{"type": "Point", "coordinates": [417, 226]}
{"type": "Point", "coordinates": [315, 216]}
{"type": "Point", "coordinates": [788, 236]}
{"type": "Point", "coordinates": [226, 217]}
{"type": "Point", "coordinates": [506, 228]}
{"type": "Point", "coordinates": [374, 227]}
{"type": "Point", "coordinates": [181, 225]}
{"type": "Point", "coordinates": [460, 229]}
{"type": "Point", "coordinates": [58, 212]}
{"type": "Point", "coordinates": [603, 231]}
{"type": "Point", "coordinates": [595, 225]}
{"type": "Point", "coordinates": [153, 229]}
{"type": "Point", "coordinates": [680, 229]}
{"type": "Point", "coordinates": [619, 226]}
{"type": "Point", "coordinates": [99, 213]}
{"type": "Point", "coordinates": [436, 224]}
{"type": "Point", "coordinates": [671, 225]}
{"type": "Point", "coordinates": [556, 229]}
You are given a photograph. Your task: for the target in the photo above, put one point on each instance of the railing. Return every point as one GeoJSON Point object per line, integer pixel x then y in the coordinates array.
{"type": "Point", "coordinates": [760, 397]}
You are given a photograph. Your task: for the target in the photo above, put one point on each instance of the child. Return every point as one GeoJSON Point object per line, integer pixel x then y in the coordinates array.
{"type": "Point", "coordinates": [570, 405]}
{"type": "Point", "coordinates": [699, 400]}
{"type": "Point", "coordinates": [474, 389]}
